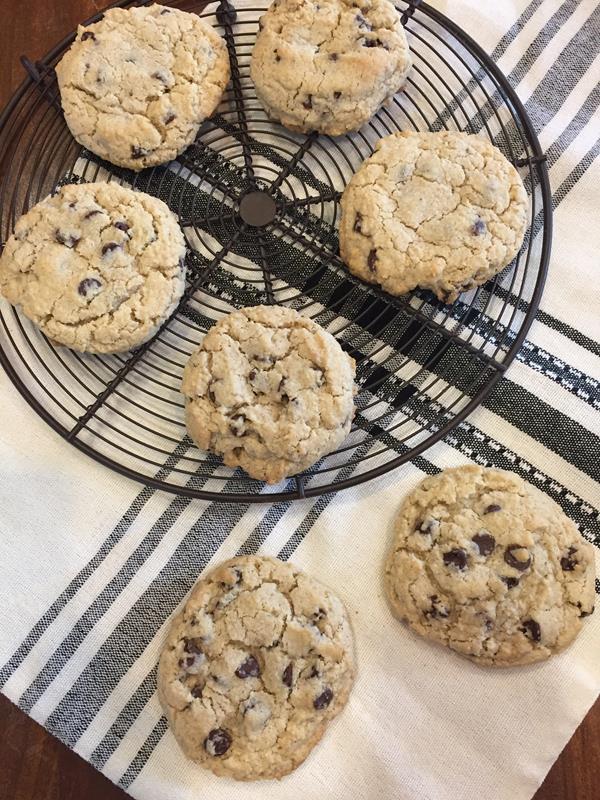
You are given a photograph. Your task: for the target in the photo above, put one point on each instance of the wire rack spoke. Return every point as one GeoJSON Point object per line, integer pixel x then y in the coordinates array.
{"type": "Point", "coordinates": [294, 161]}
{"type": "Point", "coordinates": [302, 202]}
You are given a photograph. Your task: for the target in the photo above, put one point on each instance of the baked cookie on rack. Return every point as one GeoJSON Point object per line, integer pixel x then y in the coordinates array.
{"type": "Point", "coordinates": [136, 86]}
{"type": "Point", "coordinates": [255, 666]}
{"type": "Point", "coordinates": [97, 267]}
{"type": "Point", "coordinates": [270, 391]}
{"type": "Point", "coordinates": [489, 566]}
{"type": "Point", "coordinates": [328, 65]}
{"type": "Point", "coordinates": [444, 211]}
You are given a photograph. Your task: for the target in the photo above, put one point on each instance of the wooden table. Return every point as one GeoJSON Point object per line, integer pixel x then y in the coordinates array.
{"type": "Point", "coordinates": [34, 765]}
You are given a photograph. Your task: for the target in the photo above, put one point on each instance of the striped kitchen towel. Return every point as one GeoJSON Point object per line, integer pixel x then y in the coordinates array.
{"type": "Point", "coordinates": [93, 566]}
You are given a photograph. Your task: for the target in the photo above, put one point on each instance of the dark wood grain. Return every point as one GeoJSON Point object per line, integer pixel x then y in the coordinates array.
{"type": "Point", "coordinates": [33, 764]}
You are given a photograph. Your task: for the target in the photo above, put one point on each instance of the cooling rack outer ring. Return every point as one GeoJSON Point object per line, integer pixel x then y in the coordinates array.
{"type": "Point", "coordinates": [302, 488]}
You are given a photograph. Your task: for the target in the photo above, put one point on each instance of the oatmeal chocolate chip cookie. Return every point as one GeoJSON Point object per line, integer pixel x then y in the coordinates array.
{"type": "Point", "coordinates": [489, 566]}
{"type": "Point", "coordinates": [256, 665]}
{"type": "Point", "coordinates": [270, 391]}
{"type": "Point", "coordinates": [444, 211]}
{"type": "Point", "coordinates": [136, 86]}
{"type": "Point", "coordinates": [97, 267]}
{"type": "Point", "coordinates": [328, 66]}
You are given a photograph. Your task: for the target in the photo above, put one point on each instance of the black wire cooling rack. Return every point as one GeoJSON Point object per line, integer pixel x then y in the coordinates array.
{"type": "Point", "coordinates": [259, 206]}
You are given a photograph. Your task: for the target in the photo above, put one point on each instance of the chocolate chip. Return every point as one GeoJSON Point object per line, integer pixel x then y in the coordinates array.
{"type": "Point", "coordinates": [371, 259]}
{"type": "Point", "coordinates": [492, 509]}
{"type": "Point", "coordinates": [122, 226]}
{"type": "Point", "coordinates": [320, 613]}
{"type": "Point", "coordinates": [188, 661]}
{"type": "Point", "coordinates": [160, 76]}
{"type": "Point", "coordinates": [192, 645]}
{"type": "Point", "coordinates": [438, 609]}
{"type": "Point", "coordinates": [518, 557]}
{"type": "Point", "coordinates": [170, 117]}
{"type": "Point", "coordinates": [138, 152]}
{"type": "Point", "coordinates": [362, 22]}
{"type": "Point", "coordinates": [485, 542]}
{"type": "Point", "coordinates": [211, 396]}
{"type": "Point", "coordinates": [249, 668]}
{"type": "Point", "coordinates": [252, 375]}
{"type": "Point", "coordinates": [308, 102]}
{"type": "Point", "coordinates": [510, 581]}
{"type": "Point", "coordinates": [314, 673]}
{"type": "Point", "coordinates": [337, 95]}
{"type": "Point", "coordinates": [456, 558]}
{"type": "Point", "coordinates": [532, 629]}
{"type": "Point", "coordinates": [357, 227]}
{"type": "Point", "coordinates": [323, 700]}
{"type": "Point", "coordinates": [218, 742]}
{"type": "Point", "coordinates": [109, 247]}
{"type": "Point", "coordinates": [333, 56]}
{"type": "Point", "coordinates": [88, 285]}
{"type": "Point", "coordinates": [72, 205]}
{"type": "Point", "coordinates": [478, 227]}
{"type": "Point", "coordinates": [288, 675]}
{"type": "Point", "coordinates": [374, 43]}
{"type": "Point", "coordinates": [66, 238]}
{"type": "Point", "coordinates": [88, 35]}
{"type": "Point", "coordinates": [226, 13]}
{"type": "Point", "coordinates": [92, 213]}
{"type": "Point", "coordinates": [277, 56]}
{"type": "Point", "coordinates": [197, 690]}
{"type": "Point", "coordinates": [568, 563]}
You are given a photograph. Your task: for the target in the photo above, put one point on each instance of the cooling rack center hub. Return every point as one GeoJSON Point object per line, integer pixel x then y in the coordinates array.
{"type": "Point", "coordinates": [257, 209]}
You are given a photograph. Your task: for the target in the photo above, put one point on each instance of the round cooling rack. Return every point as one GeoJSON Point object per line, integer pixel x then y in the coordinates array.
{"type": "Point", "coordinates": [260, 207]}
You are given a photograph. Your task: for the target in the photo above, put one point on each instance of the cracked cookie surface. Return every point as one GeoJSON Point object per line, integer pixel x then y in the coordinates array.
{"type": "Point", "coordinates": [97, 267]}
{"type": "Point", "coordinates": [256, 665]}
{"type": "Point", "coordinates": [328, 66]}
{"type": "Point", "coordinates": [136, 86]}
{"type": "Point", "coordinates": [443, 211]}
{"type": "Point", "coordinates": [270, 391]}
{"type": "Point", "coordinates": [491, 567]}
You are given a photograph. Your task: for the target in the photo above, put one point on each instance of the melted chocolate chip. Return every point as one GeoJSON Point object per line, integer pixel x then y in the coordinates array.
{"type": "Point", "coordinates": [252, 375]}
{"type": "Point", "coordinates": [374, 43]}
{"type": "Point", "coordinates": [485, 542]}
{"type": "Point", "coordinates": [337, 95]}
{"type": "Point", "coordinates": [308, 102]}
{"type": "Point", "coordinates": [165, 11]}
{"type": "Point", "coordinates": [323, 700]}
{"type": "Point", "coordinates": [170, 117]}
{"type": "Point", "coordinates": [532, 629]}
{"type": "Point", "coordinates": [88, 285]}
{"type": "Point", "coordinates": [109, 247]}
{"type": "Point", "coordinates": [66, 238]}
{"type": "Point", "coordinates": [514, 557]}
{"type": "Point", "coordinates": [478, 227]}
{"type": "Point", "coordinates": [314, 673]}
{"type": "Point", "coordinates": [371, 260]}
{"type": "Point", "coordinates": [92, 213]}
{"type": "Point", "coordinates": [567, 562]}
{"type": "Point", "coordinates": [288, 675]}
{"type": "Point", "coordinates": [192, 645]}
{"type": "Point", "coordinates": [138, 152]}
{"type": "Point", "coordinates": [122, 226]}
{"type": "Point", "coordinates": [455, 558]}
{"type": "Point", "coordinates": [357, 227]}
{"type": "Point", "coordinates": [333, 56]}
{"type": "Point", "coordinates": [509, 581]}
{"type": "Point", "coordinates": [88, 35]}
{"type": "Point", "coordinates": [249, 668]}
{"type": "Point", "coordinates": [492, 509]}
{"type": "Point", "coordinates": [196, 690]}
{"type": "Point", "coordinates": [218, 742]}
{"type": "Point", "coordinates": [188, 661]}
{"type": "Point", "coordinates": [277, 56]}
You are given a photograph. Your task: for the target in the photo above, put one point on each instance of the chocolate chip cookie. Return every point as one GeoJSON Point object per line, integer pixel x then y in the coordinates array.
{"type": "Point", "coordinates": [136, 86]}
{"type": "Point", "coordinates": [270, 391]}
{"type": "Point", "coordinates": [443, 211]}
{"type": "Point", "coordinates": [256, 665]}
{"type": "Point", "coordinates": [328, 65]}
{"type": "Point", "coordinates": [489, 566]}
{"type": "Point", "coordinates": [97, 267]}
